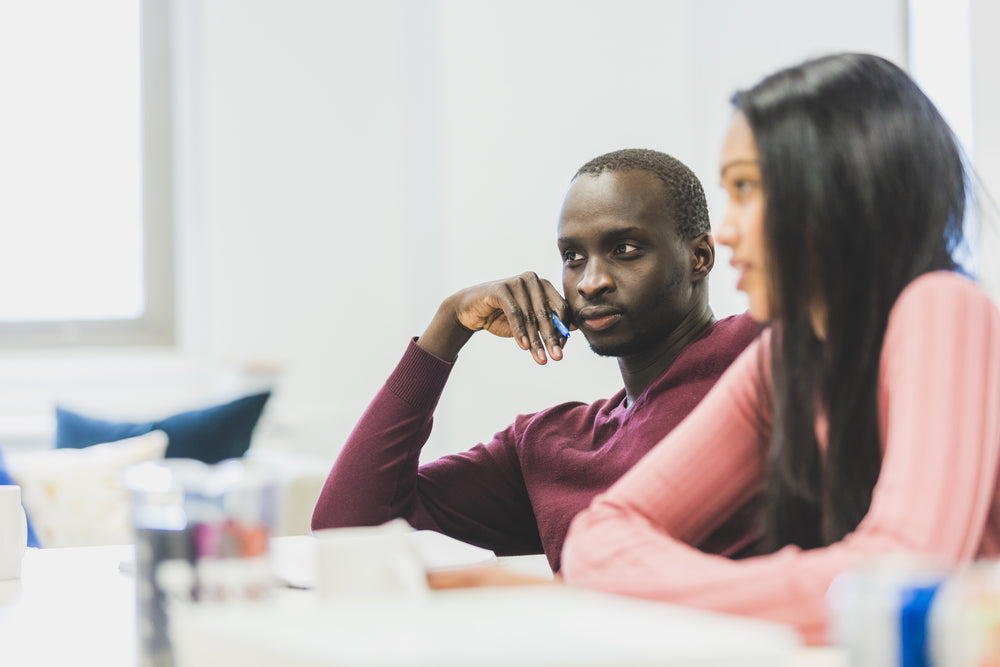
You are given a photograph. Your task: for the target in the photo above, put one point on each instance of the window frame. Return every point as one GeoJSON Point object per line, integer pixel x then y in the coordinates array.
{"type": "Point", "coordinates": [156, 326]}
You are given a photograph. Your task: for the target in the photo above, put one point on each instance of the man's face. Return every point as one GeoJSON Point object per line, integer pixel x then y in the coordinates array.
{"type": "Point", "coordinates": [626, 271]}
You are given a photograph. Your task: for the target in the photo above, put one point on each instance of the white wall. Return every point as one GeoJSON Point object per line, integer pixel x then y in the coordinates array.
{"type": "Point", "coordinates": [985, 53]}
{"type": "Point", "coordinates": [346, 165]}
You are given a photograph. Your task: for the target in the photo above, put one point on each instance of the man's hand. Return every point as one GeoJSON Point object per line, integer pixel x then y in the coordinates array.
{"type": "Point", "coordinates": [519, 308]}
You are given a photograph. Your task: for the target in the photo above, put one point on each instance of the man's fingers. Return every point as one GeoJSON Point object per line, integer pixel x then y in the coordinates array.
{"type": "Point", "coordinates": [521, 290]}
{"type": "Point", "coordinates": [521, 307]}
{"type": "Point", "coordinates": [559, 305]}
{"type": "Point", "coordinates": [542, 309]}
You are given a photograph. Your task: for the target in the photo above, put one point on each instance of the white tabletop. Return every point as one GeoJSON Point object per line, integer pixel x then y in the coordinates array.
{"type": "Point", "coordinates": [75, 606]}
{"type": "Point", "coordinates": [533, 626]}
{"type": "Point", "coordinates": [70, 607]}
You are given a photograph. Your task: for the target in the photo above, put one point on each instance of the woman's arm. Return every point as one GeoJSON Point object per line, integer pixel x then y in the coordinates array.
{"type": "Point", "coordinates": [938, 401]}
{"type": "Point", "coordinates": [708, 466]}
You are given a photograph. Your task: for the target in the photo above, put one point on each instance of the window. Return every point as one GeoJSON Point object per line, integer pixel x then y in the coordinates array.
{"type": "Point", "coordinates": [85, 204]}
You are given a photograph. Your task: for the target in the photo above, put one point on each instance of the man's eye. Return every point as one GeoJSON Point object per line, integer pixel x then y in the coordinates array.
{"type": "Point", "coordinates": [625, 248]}
{"type": "Point", "coordinates": [571, 256]}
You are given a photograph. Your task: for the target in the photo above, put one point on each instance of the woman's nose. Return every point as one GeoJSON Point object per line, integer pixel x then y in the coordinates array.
{"type": "Point", "coordinates": [728, 233]}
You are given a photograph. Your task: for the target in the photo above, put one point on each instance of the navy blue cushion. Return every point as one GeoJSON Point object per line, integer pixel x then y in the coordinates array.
{"type": "Point", "coordinates": [209, 435]}
{"type": "Point", "coordinates": [5, 480]}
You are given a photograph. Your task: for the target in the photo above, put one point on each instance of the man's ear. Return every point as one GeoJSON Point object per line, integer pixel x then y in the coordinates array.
{"type": "Point", "coordinates": [702, 256]}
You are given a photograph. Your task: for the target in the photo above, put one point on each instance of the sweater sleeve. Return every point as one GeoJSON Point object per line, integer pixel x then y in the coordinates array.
{"type": "Point", "coordinates": [477, 496]}
{"type": "Point", "coordinates": [939, 388]}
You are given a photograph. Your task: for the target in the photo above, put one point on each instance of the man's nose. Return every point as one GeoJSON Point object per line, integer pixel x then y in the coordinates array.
{"type": "Point", "coordinates": [595, 280]}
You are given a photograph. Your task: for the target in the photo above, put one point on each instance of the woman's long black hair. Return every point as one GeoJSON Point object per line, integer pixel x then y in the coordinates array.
{"type": "Point", "coordinates": [865, 190]}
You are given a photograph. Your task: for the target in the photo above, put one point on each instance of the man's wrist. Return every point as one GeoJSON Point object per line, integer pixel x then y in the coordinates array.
{"type": "Point", "coordinates": [445, 336]}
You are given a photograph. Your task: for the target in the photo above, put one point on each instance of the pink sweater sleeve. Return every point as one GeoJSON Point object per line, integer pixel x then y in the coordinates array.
{"type": "Point", "coordinates": [939, 394]}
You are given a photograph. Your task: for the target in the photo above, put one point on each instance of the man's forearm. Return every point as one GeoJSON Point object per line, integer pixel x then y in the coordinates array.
{"type": "Point", "coordinates": [376, 472]}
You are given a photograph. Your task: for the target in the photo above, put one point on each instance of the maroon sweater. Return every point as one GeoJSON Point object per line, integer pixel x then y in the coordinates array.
{"type": "Point", "coordinates": [517, 493]}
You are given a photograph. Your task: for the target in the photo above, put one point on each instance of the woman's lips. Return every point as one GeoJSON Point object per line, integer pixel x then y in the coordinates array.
{"type": "Point", "coordinates": [601, 323]}
{"type": "Point", "coordinates": [743, 268]}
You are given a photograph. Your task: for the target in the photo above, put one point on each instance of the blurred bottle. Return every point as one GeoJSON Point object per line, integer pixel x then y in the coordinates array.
{"type": "Point", "coordinates": [965, 619]}
{"type": "Point", "coordinates": [916, 612]}
{"type": "Point", "coordinates": [201, 534]}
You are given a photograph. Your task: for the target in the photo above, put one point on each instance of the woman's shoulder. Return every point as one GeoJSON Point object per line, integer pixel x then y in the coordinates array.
{"type": "Point", "coordinates": [942, 300]}
{"type": "Point", "coordinates": [931, 293]}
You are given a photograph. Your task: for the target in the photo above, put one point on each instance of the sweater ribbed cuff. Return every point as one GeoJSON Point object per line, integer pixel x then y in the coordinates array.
{"type": "Point", "coordinates": [419, 377]}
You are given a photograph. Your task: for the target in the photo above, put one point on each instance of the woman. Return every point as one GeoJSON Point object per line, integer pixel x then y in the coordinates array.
{"type": "Point", "coordinates": [868, 415]}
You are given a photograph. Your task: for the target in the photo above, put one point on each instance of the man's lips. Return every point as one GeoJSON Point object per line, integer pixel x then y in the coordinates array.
{"type": "Point", "coordinates": [601, 323]}
{"type": "Point", "coordinates": [598, 319]}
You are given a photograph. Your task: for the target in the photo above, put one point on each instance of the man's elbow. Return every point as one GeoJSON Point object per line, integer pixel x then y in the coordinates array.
{"type": "Point", "coordinates": [319, 519]}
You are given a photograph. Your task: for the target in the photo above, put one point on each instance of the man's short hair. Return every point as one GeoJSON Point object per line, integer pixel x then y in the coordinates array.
{"type": "Point", "coordinates": [686, 197]}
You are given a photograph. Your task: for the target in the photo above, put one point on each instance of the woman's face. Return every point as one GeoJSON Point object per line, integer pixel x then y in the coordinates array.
{"type": "Point", "coordinates": [742, 227]}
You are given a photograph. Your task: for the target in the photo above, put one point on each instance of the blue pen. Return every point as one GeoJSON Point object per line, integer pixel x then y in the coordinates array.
{"type": "Point", "coordinates": [560, 326]}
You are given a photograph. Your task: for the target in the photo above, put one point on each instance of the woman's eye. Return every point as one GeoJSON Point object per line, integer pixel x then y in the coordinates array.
{"type": "Point", "coordinates": [744, 187]}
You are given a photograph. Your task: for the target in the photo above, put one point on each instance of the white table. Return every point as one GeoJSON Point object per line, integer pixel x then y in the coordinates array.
{"type": "Point", "coordinates": [74, 606]}
{"type": "Point", "coordinates": [535, 626]}
{"type": "Point", "coordinates": [70, 607]}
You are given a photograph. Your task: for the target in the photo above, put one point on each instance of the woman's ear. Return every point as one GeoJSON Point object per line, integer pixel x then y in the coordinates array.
{"type": "Point", "coordinates": [702, 255]}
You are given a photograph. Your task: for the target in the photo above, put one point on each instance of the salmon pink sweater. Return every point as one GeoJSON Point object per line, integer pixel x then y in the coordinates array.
{"type": "Point", "coordinates": [939, 426]}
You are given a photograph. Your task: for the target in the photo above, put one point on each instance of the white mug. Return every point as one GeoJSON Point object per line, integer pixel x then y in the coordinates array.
{"type": "Point", "coordinates": [369, 561]}
{"type": "Point", "coordinates": [13, 532]}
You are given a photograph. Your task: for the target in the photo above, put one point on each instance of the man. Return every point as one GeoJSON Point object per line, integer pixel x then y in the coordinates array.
{"type": "Point", "coordinates": [636, 247]}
